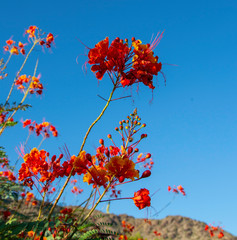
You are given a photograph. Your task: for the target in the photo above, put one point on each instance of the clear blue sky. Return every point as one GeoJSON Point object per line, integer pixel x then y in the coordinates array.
{"type": "Point", "coordinates": [191, 122]}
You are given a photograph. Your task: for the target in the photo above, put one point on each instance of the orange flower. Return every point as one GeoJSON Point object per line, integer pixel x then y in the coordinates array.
{"type": "Point", "coordinates": [10, 42]}
{"type": "Point", "coordinates": [26, 122]}
{"type": "Point", "coordinates": [21, 45]}
{"type": "Point", "coordinates": [181, 189]}
{"type": "Point", "coordinates": [14, 50]}
{"type": "Point", "coordinates": [34, 203]}
{"type": "Point", "coordinates": [96, 175]}
{"type": "Point", "coordinates": [50, 38]}
{"type": "Point", "coordinates": [30, 233]}
{"type": "Point", "coordinates": [221, 235]}
{"type": "Point", "coordinates": [142, 199]}
{"type": "Point", "coordinates": [119, 166]}
{"type": "Point", "coordinates": [211, 233]}
{"type": "Point", "coordinates": [31, 31]}
{"type": "Point", "coordinates": [29, 196]}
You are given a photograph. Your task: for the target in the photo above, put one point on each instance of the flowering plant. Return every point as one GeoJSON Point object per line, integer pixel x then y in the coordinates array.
{"type": "Point", "coordinates": [105, 170]}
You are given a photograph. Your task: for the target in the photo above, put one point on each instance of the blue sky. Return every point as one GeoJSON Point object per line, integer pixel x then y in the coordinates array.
{"type": "Point", "coordinates": [191, 122]}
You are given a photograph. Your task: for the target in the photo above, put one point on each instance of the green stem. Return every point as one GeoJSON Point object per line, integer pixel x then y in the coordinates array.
{"type": "Point", "coordinates": [22, 66]}
{"type": "Point", "coordinates": [92, 209]}
{"type": "Point", "coordinates": [5, 65]}
{"type": "Point", "coordinates": [82, 146]}
{"type": "Point", "coordinates": [41, 206]}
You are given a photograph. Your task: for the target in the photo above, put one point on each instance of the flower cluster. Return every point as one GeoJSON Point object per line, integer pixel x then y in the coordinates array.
{"type": "Point", "coordinates": [14, 49]}
{"type": "Point", "coordinates": [130, 64]}
{"type": "Point", "coordinates": [35, 86]}
{"type": "Point", "coordinates": [177, 190]}
{"type": "Point", "coordinates": [43, 128]}
{"type": "Point", "coordinates": [8, 174]}
{"type": "Point", "coordinates": [4, 118]}
{"type": "Point", "coordinates": [35, 34]}
{"type": "Point", "coordinates": [127, 227]}
{"type": "Point", "coordinates": [117, 163]}
{"type": "Point", "coordinates": [214, 229]}
{"type": "Point", "coordinates": [35, 165]}
{"type": "Point", "coordinates": [5, 172]}
{"type": "Point", "coordinates": [75, 189]}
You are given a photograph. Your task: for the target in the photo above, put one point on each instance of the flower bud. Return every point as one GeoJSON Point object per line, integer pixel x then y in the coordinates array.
{"type": "Point", "coordinates": [121, 179]}
{"type": "Point", "coordinates": [133, 39]}
{"type": "Point", "coordinates": [109, 136]}
{"type": "Point", "coordinates": [143, 125]}
{"type": "Point", "coordinates": [53, 158]}
{"type": "Point", "coordinates": [88, 157]}
{"type": "Point", "coordinates": [148, 155]}
{"type": "Point", "coordinates": [121, 127]}
{"type": "Point", "coordinates": [60, 156]}
{"type": "Point", "coordinates": [136, 150]}
{"type": "Point", "coordinates": [130, 150]}
{"type": "Point", "coordinates": [107, 153]}
{"type": "Point", "coordinates": [146, 174]}
{"type": "Point", "coordinates": [116, 129]}
{"type": "Point", "coordinates": [143, 135]}
{"type": "Point", "coordinates": [101, 141]}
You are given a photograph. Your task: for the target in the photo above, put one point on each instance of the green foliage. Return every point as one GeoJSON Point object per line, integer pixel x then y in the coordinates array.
{"type": "Point", "coordinates": [13, 107]}
{"type": "Point", "coordinates": [9, 230]}
{"type": "Point", "coordinates": [89, 234]}
{"type": "Point", "coordinates": [2, 153]}
{"type": "Point", "coordinates": [9, 190]}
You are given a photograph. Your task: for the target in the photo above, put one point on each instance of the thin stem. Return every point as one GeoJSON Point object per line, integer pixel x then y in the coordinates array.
{"type": "Point", "coordinates": [27, 139]}
{"type": "Point", "coordinates": [5, 65]}
{"type": "Point", "coordinates": [92, 209]}
{"type": "Point", "coordinates": [108, 200]}
{"type": "Point", "coordinates": [82, 146]}
{"type": "Point", "coordinates": [41, 142]}
{"type": "Point", "coordinates": [22, 66]}
{"type": "Point", "coordinates": [23, 99]}
{"type": "Point", "coordinates": [98, 118]}
{"type": "Point", "coordinates": [41, 206]}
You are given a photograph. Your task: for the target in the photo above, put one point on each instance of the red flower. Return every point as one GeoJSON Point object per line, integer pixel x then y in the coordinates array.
{"type": "Point", "coordinates": [10, 42]}
{"type": "Point", "coordinates": [221, 235]}
{"type": "Point", "coordinates": [49, 38]}
{"type": "Point", "coordinates": [26, 122]}
{"type": "Point", "coordinates": [181, 189]}
{"type": "Point", "coordinates": [211, 233]}
{"type": "Point", "coordinates": [133, 64]}
{"type": "Point", "coordinates": [31, 31]}
{"type": "Point", "coordinates": [6, 214]}
{"type": "Point", "coordinates": [142, 199]}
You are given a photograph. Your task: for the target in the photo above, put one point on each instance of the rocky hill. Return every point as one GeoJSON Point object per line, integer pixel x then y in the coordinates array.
{"type": "Point", "coordinates": [171, 227]}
